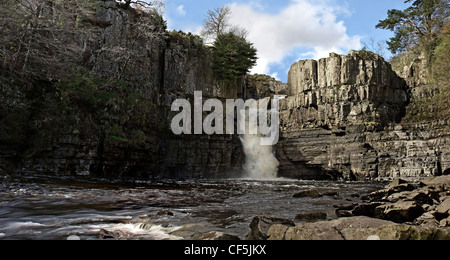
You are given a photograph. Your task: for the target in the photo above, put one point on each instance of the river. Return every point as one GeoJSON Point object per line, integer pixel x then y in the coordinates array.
{"type": "Point", "coordinates": [40, 207]}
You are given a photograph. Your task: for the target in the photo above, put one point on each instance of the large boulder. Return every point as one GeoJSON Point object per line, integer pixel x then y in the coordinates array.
{"type": "Point", "coordinates": [400, 212]}
{"type": "Point", "coordinates": [443, 210]}
{"type": "Point", "coordinates": [260, 226]}
{"type": "Point", "coordinates": [356, 228]}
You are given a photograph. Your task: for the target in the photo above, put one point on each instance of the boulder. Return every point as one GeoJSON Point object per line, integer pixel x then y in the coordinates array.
{"type": "Point", "coordinates": [356, 228]}
{"type": "Point", "coordinates": [277, 232]}
{"type": "Point", "coordinates": [400, 212]}
{"type": "Point", "coordinates": [399, 185]}
{"type": "Point", "coordinates": [443, 210]}
{"type": "Point", "coordinates": [426, 220]}
{"type": "Point", "coordinates": [421, 197]}
{"type": "Point", "coordinates": [366, 209]}
{"type": "Point", "coordinates": [260, 226]}
{"type": "Point", "coordinates": [376, 195]}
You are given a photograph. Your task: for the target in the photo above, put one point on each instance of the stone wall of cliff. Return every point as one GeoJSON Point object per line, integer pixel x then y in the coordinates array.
{"type": "Point", "coordinates": [343, 118]}
{"type": "Point", "coordinates": [101, 107]}
{"type": "Point", "coordinates": [109, 115]}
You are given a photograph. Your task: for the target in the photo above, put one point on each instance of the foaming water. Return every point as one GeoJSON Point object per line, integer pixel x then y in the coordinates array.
{"type": "Point", "coordinates": [260, 160]}
{"type": "Point", "coordinates": [58, 208]}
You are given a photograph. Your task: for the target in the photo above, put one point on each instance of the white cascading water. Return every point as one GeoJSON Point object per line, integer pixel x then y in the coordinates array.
{"type": "Point", "coordinates": [260, 161]}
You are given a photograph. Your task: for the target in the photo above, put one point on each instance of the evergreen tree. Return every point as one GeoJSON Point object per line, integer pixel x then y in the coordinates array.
{"type": "Point", "coordinates": [417, 25]}
{"type": "Point", "coordinates": [234, 57]}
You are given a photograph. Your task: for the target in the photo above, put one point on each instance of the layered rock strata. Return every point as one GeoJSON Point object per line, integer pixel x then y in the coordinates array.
{"type": "Point", "coordinates": [342, 119]}
{"type": "Point", "coordinates": [129, 135]}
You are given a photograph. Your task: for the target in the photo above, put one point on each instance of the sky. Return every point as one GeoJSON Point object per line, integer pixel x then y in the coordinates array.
{"type": "Point", "coordinates": [285, 31]}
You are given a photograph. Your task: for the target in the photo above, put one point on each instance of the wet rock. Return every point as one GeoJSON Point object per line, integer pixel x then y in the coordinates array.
{"type": "Point", "coordinates": [215, 235]}
{"type": "Point", "coordinates": [164, 212]}
{"type": "Point", "coordinates": [116, 235]}
{"type": "Point", "coordinates": [311, 193]}
{"type": "Point", "coordinates": [311, 216]}
{"type": "Point", "coordinates": [260, 226]}
{"type": "Point", "coordinates": [330, 193]}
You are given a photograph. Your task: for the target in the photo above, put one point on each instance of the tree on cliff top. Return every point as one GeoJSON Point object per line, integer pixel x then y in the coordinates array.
{"type": "Point", "coordinates": [233, 57]}
{"type": "Point", "coordinates": [415, 26]}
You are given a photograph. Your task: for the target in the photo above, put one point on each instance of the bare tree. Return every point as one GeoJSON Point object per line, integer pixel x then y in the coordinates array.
{"type": "Point", "coordinates": [148, 30]}
{"type": "Point", "coordinates": [378, 47]}
{"type": "Point", "coordinates": [217, 22]}
{"type": "Point", "coordinates": [48, 38]}
{"type": "Point", "coordinates": [38, 35]}
{"type": "Point", "coordinates": [148, 6]}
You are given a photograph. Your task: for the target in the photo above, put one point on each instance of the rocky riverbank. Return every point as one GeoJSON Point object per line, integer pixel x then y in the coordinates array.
{"type": "Point", "coordinates": [403, 210]}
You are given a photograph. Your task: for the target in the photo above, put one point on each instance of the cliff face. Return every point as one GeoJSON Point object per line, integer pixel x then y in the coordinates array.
{"type": "Point", "coordinates": [342, 119]}
{"type": "Point", "coordinates": [109, 115]}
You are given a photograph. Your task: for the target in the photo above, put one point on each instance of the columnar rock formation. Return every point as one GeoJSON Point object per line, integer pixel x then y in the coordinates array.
{"type": "Point", "coordinates": [342, 119]}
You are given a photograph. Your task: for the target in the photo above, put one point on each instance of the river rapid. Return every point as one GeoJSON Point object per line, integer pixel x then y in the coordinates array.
{"type": "Point", "coordinates": [45, 208]}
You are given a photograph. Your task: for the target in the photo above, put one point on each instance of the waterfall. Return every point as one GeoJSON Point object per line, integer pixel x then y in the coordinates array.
{"type": "Point", "coordinates": [260, 160]}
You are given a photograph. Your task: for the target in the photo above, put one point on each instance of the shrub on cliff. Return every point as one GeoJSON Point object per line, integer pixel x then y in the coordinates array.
{"type": "Point", "coordinates": [233, 57]}
{"type": "Point", "coordinates": [441, 66]}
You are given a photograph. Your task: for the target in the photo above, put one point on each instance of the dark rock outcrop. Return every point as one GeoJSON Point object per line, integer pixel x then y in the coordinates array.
{"type": "Point", "coordinates": [427, 204]}
{"type": "Point", "coordinates": [121, 130]}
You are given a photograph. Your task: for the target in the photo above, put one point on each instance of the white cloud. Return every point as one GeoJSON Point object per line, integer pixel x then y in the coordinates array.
{"type": "Point", "coordinates": [181, 11]}
{"type": "Point", "coordinates": [305, 24]}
